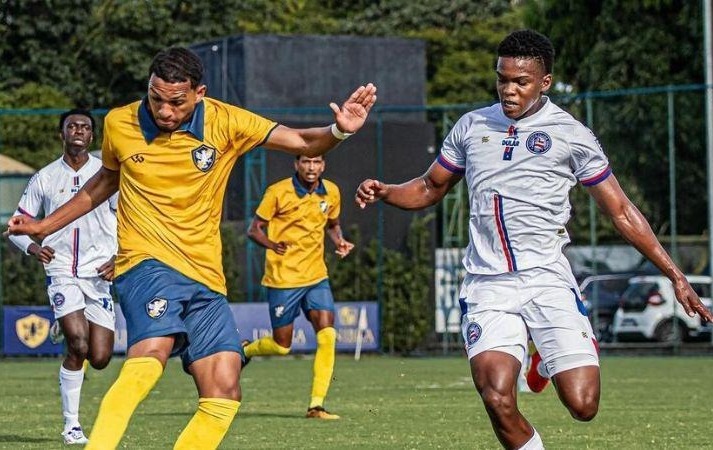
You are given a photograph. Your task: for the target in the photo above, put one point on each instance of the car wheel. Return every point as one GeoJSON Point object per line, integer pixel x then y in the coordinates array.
{"type": "Point", "coordinates": [667, 333]}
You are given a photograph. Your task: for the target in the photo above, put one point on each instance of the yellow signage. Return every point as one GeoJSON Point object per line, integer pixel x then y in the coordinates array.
{"type": "Point", "coordinates": [32, 330]}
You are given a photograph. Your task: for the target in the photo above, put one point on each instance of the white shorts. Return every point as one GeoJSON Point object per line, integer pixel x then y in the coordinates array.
{"type": "Point", "coordinates": [69, 294]}
{"type": "Point", "coordinates": [500, 310]}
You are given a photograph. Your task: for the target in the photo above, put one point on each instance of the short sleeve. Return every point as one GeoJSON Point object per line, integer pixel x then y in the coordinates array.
{"type": "Point", "coordinates": [249, 130]}
{"type": "Point", "coordinates": [452, 156]}
{"type": "Point", "coordinates": [30, 203]}
{"type": "Point", "coordinates": [588, 161]}
{"type": "Point", "coordinates": [267, 208]}
{"type": "Point", "coordinates": [109, 157]}
{"type": "Point", "coordinates": [336, 208]}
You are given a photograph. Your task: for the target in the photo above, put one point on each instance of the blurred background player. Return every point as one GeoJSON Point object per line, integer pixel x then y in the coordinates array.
{"type": "Point", "coordinates": [169, 156]}
{"type": "Point", "coordinates": [78, 260]}
{"type": "Point", "coordinates": [296, 211]}
{"type": "Point", "coordinates": [520, 158]}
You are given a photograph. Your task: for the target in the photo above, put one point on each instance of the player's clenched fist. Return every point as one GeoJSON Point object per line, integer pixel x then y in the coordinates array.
{"type": "Point", "coordinates": [23, 225]}
{"type": "Point", "coordinates": [370, 191]}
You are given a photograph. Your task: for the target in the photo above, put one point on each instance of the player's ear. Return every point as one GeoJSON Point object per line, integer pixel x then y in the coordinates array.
{"type": "Point", "coordinates": [546, 83]}
{"type": "Point", "coordinates": [200, 92]}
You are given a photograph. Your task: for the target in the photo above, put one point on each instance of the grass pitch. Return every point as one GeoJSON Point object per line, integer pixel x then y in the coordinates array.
{"type": "Point", "coordinates": [385, 402]}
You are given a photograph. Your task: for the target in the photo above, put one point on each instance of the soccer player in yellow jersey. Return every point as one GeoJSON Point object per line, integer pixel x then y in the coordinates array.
{"type": "Point", "coordinates": [169, 155]}
{"type": "Point", "coordinates": [296, 212]}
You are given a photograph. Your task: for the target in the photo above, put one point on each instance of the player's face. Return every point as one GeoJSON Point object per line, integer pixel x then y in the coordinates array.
{"type": "Point", "coordinates": [172, 104]}
{"type": "Point", "coordinates": [521, 83]}
{"type": "Point", "coordinates": [77, 133]}
{"type": "Point", "coordinates": [309, 169]}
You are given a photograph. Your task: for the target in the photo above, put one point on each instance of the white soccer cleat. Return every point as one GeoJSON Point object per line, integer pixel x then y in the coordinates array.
{"type": "Point", "coordinates": [56, 334]}
{"type": "Point", "coordinates": [75, 436]}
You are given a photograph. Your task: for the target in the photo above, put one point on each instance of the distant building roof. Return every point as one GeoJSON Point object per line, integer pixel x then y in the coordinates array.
{"type": "Point", "coordinates": [9, 166]}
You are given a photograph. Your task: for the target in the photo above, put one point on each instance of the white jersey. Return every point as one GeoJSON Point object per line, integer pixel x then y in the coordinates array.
{"type": "Point", "coordinates": [519, 174]}
{"type": "Point", "coordinates": [83, 245]}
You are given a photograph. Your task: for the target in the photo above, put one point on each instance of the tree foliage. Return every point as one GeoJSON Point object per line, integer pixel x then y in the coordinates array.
{"type": "Point", "coordinates": [631, 44]}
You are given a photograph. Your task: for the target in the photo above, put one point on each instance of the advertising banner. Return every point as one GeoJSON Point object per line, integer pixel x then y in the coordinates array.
{"type": "Point", "coordinates": [26, 328]}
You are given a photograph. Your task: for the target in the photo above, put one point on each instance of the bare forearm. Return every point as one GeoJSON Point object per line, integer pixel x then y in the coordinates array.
{"type": "Point", "coordinates": [632, 225]}
{"type": "Point", "coordinates": [96, 191]}
{"type": "Point", "coordinates": [335, 234]}
{"type": "Point", "coordinates": [415, 194]}
{"type": "Point", "coordinates": [318, 141]}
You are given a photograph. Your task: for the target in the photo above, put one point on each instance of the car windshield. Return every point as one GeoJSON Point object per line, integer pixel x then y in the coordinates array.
{"type": "Point", "coordinates": [639, 292]}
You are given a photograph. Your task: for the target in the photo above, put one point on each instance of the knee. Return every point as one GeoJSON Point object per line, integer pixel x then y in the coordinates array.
{"type": "Point", "coordinates": [100, 360]}
{"type": "Point", "coordinates": [78, 346]}
{"type": "Point", "coordinates": [585, 408]}
{"type": "Point", "coordinates": [502, 404]}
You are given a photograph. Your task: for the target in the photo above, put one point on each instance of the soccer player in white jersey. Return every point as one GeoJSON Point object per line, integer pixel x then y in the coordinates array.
{"type": "Point", "coordinates": [520, 158]}
{"type": "Point", "coordinates": [78, 260]}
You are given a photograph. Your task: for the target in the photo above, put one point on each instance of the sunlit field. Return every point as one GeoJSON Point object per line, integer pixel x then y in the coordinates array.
{"type": "Point", "coordinates": [385, 402]}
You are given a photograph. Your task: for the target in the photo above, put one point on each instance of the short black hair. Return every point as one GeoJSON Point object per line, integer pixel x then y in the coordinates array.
{"type": "Point", "coordinates": [529, 44]}
{"type": "Point", "coordinates": [297, 157]}
{"type": "Point", "coordinates": [72, 112]}
{"type": "Point", "coordinates": [176, 65]}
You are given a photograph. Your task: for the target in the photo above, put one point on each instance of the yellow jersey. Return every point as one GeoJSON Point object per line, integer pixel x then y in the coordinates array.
{"type": "Point", "coordinates": [171, 185]}
{"type": "Point", "coordinates": [298, 218]}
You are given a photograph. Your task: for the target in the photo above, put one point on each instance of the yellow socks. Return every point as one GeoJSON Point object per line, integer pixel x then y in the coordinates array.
{"type": "Point", "coordinates": [137, 377]}
{"type": "Point", "coordinates": [265, 347]}
{"type": "Point", "coordinates": [209, 424]}
{"type": "Point", "coordinates": [323, 365]}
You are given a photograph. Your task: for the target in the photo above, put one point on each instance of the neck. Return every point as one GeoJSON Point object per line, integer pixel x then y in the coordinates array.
{"type": "Point", "coordinates": [76, 160]}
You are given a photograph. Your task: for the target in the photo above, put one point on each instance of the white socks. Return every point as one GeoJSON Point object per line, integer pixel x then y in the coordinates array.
{"type": "Point", "coordinates": [70, 387]}
{"type": "Point", "coordinates": [535, 442]}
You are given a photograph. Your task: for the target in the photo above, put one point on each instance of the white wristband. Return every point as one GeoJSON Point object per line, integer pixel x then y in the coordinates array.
{"type": "Point", "coordinates": [338, 133]}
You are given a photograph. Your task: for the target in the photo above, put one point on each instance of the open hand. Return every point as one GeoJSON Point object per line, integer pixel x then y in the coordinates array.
{"type": "Point", "coordinates": [354, 111]}
{"type": "Point", "coordinates": [688, 298]}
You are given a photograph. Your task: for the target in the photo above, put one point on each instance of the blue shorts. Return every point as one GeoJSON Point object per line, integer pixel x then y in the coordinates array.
{"type": "Point", "coordinates": [159, 301]}
{"type": "Point", "coordinates": [285, 304]}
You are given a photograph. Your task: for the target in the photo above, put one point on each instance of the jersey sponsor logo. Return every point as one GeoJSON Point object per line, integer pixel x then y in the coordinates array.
{"type": "Point", "coordinates": [510, 142]}
{"type": "Point", "coordinates": [473, 333]}
{"type": "Point", "coordinates": [203, 157]}
{"type": "Point", "coordinates": [323, 206]}
{"type": "Point", "coordinates": [137, 158]}
{"type": "Point", "coordinates": [58, 300]}
{"type": "Point", "coordinates": [156, 307]}
{"type": "Point", "coordinates": [538, 143]}
{"type": "Point", "coordinates": [32, 330]}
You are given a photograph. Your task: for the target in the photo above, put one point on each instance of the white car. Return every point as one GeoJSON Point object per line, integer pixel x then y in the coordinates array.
{"type": "Point", "coordinates": [648, 309]}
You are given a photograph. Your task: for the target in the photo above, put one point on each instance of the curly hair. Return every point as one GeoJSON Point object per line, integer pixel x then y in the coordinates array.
{"type": "Point", "coordinates": [529, 44]}
{"type": "Point", "coordinates": [176, 65]}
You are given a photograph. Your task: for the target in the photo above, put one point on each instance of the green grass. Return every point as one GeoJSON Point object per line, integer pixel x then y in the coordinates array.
{"type": "Point", "coordinates": [385, 403]}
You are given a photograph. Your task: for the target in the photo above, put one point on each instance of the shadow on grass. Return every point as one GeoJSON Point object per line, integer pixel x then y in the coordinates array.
{"type": "Point", "coordinates": [23, 439]}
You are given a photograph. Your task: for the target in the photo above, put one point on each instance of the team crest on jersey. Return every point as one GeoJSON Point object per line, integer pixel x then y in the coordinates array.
{"type": "Point", "coordinates": [203, 157]}
{"type": "Point", "coordinates": [473, 333]}
{"type": "Point", "coordinates": [32, 330]}
{"type": "Point", "coordinates": [323, 206]}
{"type": "Point", "coordinates": [58, 299]}
{"type": "Point", "coordinates": [538, 143]}
{"type": "Point", "coordinates": [156, 307]}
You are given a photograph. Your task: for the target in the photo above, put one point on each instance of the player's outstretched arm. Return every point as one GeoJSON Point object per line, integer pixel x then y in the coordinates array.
{"type": "Point", "coordinates": [634, 227]}
{"type": "Point", "coordinates": [348, 119]}
{"type": "Point", "coordinates": [419, 193]}
{"type": "Point", "coordinates": [96, 190]}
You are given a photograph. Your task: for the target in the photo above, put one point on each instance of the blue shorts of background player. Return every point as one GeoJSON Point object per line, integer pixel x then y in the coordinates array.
{"type": "Point", "coordinates": [157, 300]}
{"type": "Point", "coordinates": [285, 304]}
